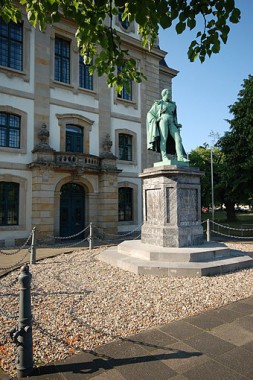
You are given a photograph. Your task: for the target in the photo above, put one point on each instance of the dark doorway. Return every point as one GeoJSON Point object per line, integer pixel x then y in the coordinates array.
{"type": "Point", "coordinates": [72, 210]}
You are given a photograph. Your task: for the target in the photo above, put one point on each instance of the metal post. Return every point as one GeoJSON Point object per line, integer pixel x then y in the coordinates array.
{"type": "Point", "coordinates": [33, 247]}
{"type": "Point", "coordinates": [91, 238]}
{"type": "Point", "coordinates": [23, 335]}
{"type": "Point", "coordinates": [212, 184]}
{"type": "Point", "coordinates": [208, 231]}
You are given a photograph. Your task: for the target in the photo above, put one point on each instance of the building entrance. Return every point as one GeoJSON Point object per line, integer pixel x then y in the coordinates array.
{"type": "Point", "coordinates": [72, 213]}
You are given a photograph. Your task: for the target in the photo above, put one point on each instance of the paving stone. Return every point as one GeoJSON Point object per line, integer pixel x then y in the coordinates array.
{"type": "Point", "coordinates": [181, 357]}
{"type": "Point", "coordinates": [181, 330]}
{"type": "Point", "coordinates": [82, 366]}
{"type": "Point", "coordinates": [113, 374]}
{"type": "Point", "coordinates": [241, 307]}
{"type": "Point", "coordinates": [152, 339]}
{"type": "Point", "coordinates": [212, 370]}
{"type": "Point", "coordinates": [248, 301]}
{"type": "Point", "coordinates": [246, 323]}
{"type": "Point", "coordinates": [248, 347]}
{"type": "Point", "coordinates": [226, 315]}
{"type": "Point", "coordinates": [148, 370]}
{"type": "Point", "coordinates": [206, 321]}
{"type": "Point", "coordinates": [233, 333]}
{"type": "Point", "coordinates": [238, 359]}
{"type": "Point", "coordinates": [209, 344]}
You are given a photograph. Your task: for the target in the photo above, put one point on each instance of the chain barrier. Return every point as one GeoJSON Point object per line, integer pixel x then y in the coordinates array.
{"type": "Point", "coordinates": [100, 236]}
{"type": "Point", "coordinates": [122, 235]}
{"type": "Point", "coordinates": [232, 228]}
{"type": "Point", "coordinates": [19, 249]}
{"type": "Point", "coordinates": [18, 262]}
{"type": "Point", "coordinates": [231, 236]}
{"type": "Point", "coordinates": [69, 237]}
{"type": "Point", "coordinates": [218, 232]}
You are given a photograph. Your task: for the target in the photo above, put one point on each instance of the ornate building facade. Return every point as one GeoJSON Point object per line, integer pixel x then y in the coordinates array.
{"type": "Point", "coordinates": [71, 149]}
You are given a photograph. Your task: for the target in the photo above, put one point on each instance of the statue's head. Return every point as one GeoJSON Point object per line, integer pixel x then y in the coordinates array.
{"type": "Point", "coordinates": [166, 94]}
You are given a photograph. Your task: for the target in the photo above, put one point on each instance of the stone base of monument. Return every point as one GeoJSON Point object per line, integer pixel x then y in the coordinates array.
{"type": "Point", "coordinates": [172, 239]}
{"type": "Point", "coordinates": [205, 260]}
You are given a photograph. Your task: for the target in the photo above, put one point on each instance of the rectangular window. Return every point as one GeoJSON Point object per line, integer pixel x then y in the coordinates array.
{"type": "Point", "coordinates": [74, 138]}
{"type": "Point", "coordinates": [9, 203]}
{"type": "Point", "coordinates": [85, 79]}
{"type": "Point", "coordinates": [125, 204]}
{"type": "Point", "coordinates": [9, 130]}
{"type": "Point", "coordinates": [11, 45]}
{"type": "Point", "coordinates": [127, 91]}
{"type": "Point", "coordinates": [62, 60]}
{"type": "Point", "coordinates": [125, 147]}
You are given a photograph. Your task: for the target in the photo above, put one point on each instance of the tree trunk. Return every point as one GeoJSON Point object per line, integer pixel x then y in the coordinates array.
{"type": "Point", "coordinates": [230, 210]}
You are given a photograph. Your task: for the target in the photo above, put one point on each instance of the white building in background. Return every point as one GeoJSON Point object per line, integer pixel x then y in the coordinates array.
{"type": "Point", "coordinates": [71, 149]}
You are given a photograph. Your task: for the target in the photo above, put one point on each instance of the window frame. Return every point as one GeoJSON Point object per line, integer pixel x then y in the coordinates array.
{"type": "Point", "coordinates": [7, 204]}
{"type": "Point", "coordinates": [79, 121]}
{"type": "Point", "coordinates": [22, 201]}
{"type": "Point", "coordinates": [133, 134]}
{"type": "Point", "coordinates": [129, 194]}
{"type": "Point", "coordinates": [74, 136]}
{"type": "Point", "coordinates": [126, 150]}
{"type": "Point", "coordinates": [134, 187]}
{"type": "Point", "coordinates": [124, 95]}
{"type": "Point", "coordinates": [60, 31]}
{"type": "Point", "coordinates": [85, 75]}
{"type": "Point", "coordinates": [9, 128]}
{"type": "Point", "coordinates": [25, 72]}
{"type": "Point", "coordinates": [13, 39]}
{"type": "Point", "coordinates": [23, 130]}
{"type": "Point", "coordinates": [62, 57]}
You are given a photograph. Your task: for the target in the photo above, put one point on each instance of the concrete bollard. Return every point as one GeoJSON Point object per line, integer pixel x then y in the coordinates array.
{"type": "Point", "coordinates": [22, 336]}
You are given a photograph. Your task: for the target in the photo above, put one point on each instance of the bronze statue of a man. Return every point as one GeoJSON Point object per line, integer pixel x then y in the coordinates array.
{"type": "Point", "coordinates": [161, 125]}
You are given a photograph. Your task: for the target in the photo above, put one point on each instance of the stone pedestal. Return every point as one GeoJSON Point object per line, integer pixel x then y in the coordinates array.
{"type": "Point", "coordinates": [171, 206]}
{"type": "Point", "coordinates": [172, 235]}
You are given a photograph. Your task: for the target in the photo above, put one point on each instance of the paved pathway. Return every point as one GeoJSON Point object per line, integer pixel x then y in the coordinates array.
{"type": "Point", "coordinates": [215, 345]}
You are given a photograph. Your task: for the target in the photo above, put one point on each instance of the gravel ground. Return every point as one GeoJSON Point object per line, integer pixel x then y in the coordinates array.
{"type": "Point", "coordinates": [80, 303]}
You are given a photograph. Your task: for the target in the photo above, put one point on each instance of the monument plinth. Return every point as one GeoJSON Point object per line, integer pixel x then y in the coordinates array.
{"type": "Point", "coordinates": [171, 206]}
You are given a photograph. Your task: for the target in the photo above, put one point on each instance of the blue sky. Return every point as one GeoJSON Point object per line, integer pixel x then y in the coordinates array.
{"type": "Point", "coordinates": [204, 91]}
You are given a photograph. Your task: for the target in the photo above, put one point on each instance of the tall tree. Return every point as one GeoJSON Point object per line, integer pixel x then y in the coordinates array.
{"type": "Point", "coordinates": [95, 27]}
{"type": "Point", "coordinates": [232, 158]}
{"type": "Point", "coordinates": [237, 148]}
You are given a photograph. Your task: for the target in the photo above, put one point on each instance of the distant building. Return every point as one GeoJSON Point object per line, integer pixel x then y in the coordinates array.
{"type": "Point", "coordinates": [71, 148]}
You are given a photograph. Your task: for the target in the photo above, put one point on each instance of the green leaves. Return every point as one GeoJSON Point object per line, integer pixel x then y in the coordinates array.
{"type": "Point", "coordinates": [100, 41]}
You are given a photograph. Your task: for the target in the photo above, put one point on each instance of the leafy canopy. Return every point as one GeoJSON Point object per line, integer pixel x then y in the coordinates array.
{"type": "Point", "coordinates": [101, 44]}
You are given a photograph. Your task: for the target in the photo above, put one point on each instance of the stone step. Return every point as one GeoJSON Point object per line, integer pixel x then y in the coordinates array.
{"type": "Point", "coordinates": [204, 252]}
{"type": "Point", "coordinates": [173, 269]}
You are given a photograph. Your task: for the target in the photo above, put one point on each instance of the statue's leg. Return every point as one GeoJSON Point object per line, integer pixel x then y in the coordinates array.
{"type": "Point", "coordinates": [175, 133]}
{"type": "Point", "coordinates": [164, 131]}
